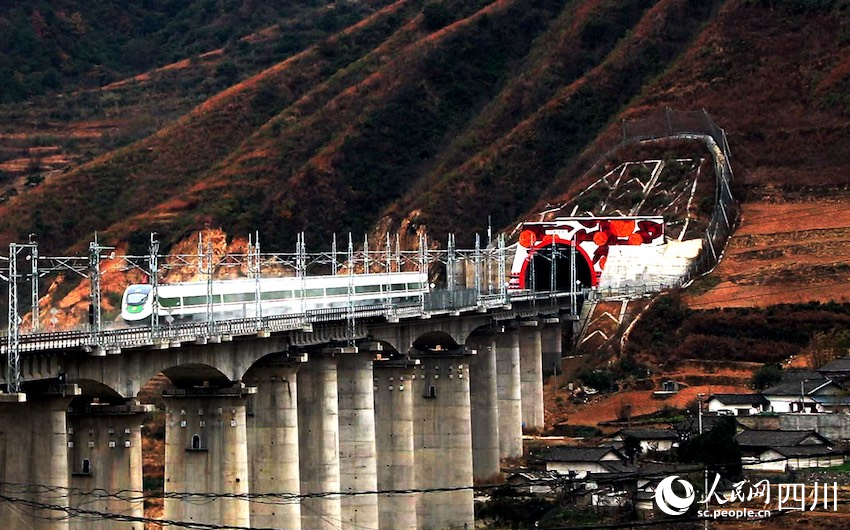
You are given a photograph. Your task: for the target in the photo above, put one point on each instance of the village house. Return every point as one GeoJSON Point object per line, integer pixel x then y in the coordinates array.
{"type": "Point", "coordinates": [651, 440]}
{"type": "Point", "coordinates": [737, 404]}
{"type": "Point", "coordinates": [837, 370]}
{"type": "Point", "coordinates": [781, 450]}
{"type": "Point", "coordinates": [805, 391]}
{"type": "Point", "coordinates": [533, 481]}
{"type": "Point", "coordinates": [578, 461]}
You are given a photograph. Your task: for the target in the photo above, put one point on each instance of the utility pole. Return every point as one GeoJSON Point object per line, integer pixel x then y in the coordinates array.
{"type": "Point", "coordinates": [553, 270]}
{"type": "Point", "coordinates": [95, 249]}
{"type": "Point", "coordinates": [207, 251]}
{"type": "Point", "coordinates": [334, 264]}
{"type": "Point", "coordinates": [301, 266]}
{"type": "Point", "coordinates": [349, 310]}
{"type": "Point", "coordinates": [13, 351]}
{"type": "Point", "coordinates": [255, 272]}
{"type": "Point", "coordinates": [366, 264]}
{"type": "Point", "coordinates": [153, 271]}
{"type": "Point", "coordinates": [477, 266]}
{"type": "Point", "coordinates": [34, 281]}
{"type": "Point", "coordinates": [574, 283]}
{"type": "Point", "coordinates": [450, 264]}
{"type": "Point", "coordinates": [705, 468]}
{"type": "Point", "coordinates": [388, 268]}
{"type": "Point", "coordinates": [502, 287]}
{"type": "Point", "coordinates": [423, 267]}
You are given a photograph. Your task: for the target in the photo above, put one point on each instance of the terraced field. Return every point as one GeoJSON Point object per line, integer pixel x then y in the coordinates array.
{"type": "Point", "coordinates": [783, 253]}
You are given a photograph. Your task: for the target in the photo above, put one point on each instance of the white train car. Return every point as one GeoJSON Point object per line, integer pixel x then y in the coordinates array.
{"type": "Point", "coordinates": [278, 296]}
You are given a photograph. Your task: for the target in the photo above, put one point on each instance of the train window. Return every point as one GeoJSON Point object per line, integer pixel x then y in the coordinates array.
{"type": "Point", "coordinates": [169, 302]}
{"type": "Point", "coordinates": [414, 286]}
{"type": "Point", "coordinates": [136, 298]}
{"type": "Point", "coordinates": [276, 295]}
{"type": "Point", "coordinates": [200, 300]}
{"type": "Point", "coordinates": [238, 297]}
{"type": "Point", "coordinates": [367, 289]}
{"type": "Point", "coordinates": [332, 291]}
{"type": "Point", "coordinates": [315, 293]}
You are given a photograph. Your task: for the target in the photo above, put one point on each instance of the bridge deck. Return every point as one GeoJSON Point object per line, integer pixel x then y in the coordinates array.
{"type": "Point", "coordinates": [113, 340]}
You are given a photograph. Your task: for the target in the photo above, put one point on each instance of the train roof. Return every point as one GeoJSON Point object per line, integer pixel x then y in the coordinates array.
{"type": "Point", "coordinates": [378, 277]}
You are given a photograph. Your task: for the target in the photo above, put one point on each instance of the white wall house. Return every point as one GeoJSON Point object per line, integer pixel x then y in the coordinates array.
{"type": "Point", "coordinates": [651, 440]}
{"type": "Point", "coordinates": [737, 404]}
{"type": "Point", "coordinates": [805, 394]}
{"type": "Point", "coordinates": [579, 460]}
{"type": "Point", "coordinates": [780, 459]}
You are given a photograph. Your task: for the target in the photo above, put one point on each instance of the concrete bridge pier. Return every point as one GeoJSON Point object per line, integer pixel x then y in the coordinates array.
{"type": "Point", "coordinates": [206, 451]}
{"type": "Point", "coordinates": [531, 375]}
{"type": "Point", "coordinates": [273, 440]}
{"type": "Point", "coordinates": [318, 439]}
{"type": "Point", "coordinates": [394, 394]}
{"type": "Point", "coordinates": [485, 409]}
{"type": "Point", "coordinates": [105, 454]}
{"type": "Point", "coordinates": [358, 471]}
{"type": "Point", "coordinates": [508, 390]}
{"type": "Point", "coordinates": [34, 451]}
{"type": "Point", "coordinates": [442, 436]}
{"type": "Point", "coordinates": [551, 338]}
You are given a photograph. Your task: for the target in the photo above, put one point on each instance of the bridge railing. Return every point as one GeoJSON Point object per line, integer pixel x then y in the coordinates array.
{"type": "Point", "coordinates": [634, 290]}
{"type": "Point", "coordinates": [450, 300]}
{"type": "Point", "coordinates": [113, 340]}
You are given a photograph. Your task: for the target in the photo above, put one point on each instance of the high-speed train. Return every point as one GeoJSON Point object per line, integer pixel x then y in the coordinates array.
{"type": "Point", "coordinates": [278, 296]}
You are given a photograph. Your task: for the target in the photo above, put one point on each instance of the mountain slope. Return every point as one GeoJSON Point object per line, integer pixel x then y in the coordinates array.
{"type": "Point", "coordinates": [67, 44]}
{"type": "Point", "coordinates": [443, 114]}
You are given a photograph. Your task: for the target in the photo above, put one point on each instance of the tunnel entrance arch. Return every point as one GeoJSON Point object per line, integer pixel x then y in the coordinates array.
{"type": "Point", "coordinates": [549, 268]}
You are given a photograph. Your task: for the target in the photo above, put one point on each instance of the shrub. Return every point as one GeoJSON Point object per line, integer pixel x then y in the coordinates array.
{"type": "Point", "coordinates": [717, 448]}
{"type": "Point", "coordinates": [437, 15]}
{"type": "Point", "coordinates": [766, 376]}
{"type": "Point", "coordinates": [505, 507]}
{"type": "Point", "coordinates": [601, 380]}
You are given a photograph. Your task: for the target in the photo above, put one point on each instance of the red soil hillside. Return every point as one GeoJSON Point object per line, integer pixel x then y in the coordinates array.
{"type": "Point", "coordinates": [784, 253]}
{"type": "Point", "coordinates": [420, 116]}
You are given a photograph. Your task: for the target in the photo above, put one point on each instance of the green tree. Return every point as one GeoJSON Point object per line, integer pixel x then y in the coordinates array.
{"type": "Point", "coordinates": [767, 375]}
{"type": "Point", "coordinates": [227, 72]}
{"type": "Point", "coordinates": [716, 448]}
{"type": "Point", "coordinates": [631, 447]}
{"type": "Point", "coordinates": [601, 380]}
{"type": "Point", "coordinates": [437, 15]}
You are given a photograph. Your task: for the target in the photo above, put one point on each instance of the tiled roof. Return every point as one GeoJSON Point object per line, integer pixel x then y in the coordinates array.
{"type": "Point", "coordinates": [777, 438]}
{"type": "Point", "coordinates": [567, 453]}
{"type": "Point", "coordinates": [535, 474]}
{"type": "Point", "coordinates": [740, 399]}
{"type": "Point", "coordinates": [805, 450]}
{"type": "Point", "coordinates": [837, 366]}
{"type": "Point", "coordinates": [791, 380]}
{"type": "Point", "coordinates": [616, 466]}
{"type": "Point", "coordinates": [649, 434]}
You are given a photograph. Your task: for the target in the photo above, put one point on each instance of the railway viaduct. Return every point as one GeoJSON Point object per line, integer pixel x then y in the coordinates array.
{"type": "Point", "coordinates": [371, 417]}
{"type": "Point", "coordinates": [322, 421]}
